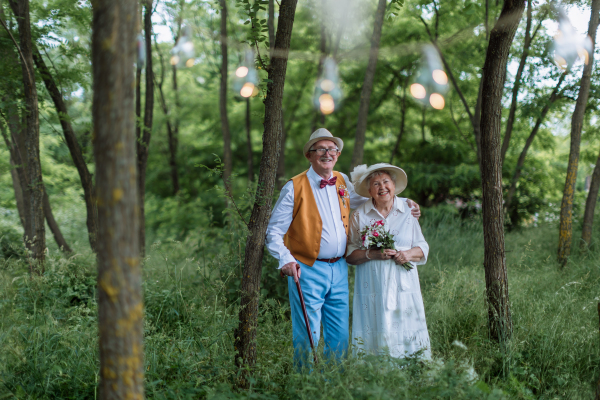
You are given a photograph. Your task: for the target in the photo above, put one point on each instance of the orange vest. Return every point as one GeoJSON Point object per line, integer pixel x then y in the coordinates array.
{"type": "Point", "coordinates": [303, 238]}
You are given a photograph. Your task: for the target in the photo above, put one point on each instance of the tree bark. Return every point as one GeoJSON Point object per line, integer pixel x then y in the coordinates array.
{"type": "Point", "coordinates": [402, 121]}
{"type": "Point", "coordinates": [280, 176]}
{"type": "Point", "coordinates": [365, 96]}
{"type": "Point", "coordinates": [598, 384]}
{"type": "Point", "coordinates": [519, 168]}
{"type": "Point", "coordinates": [566, 208]}
{"type": "Point", "coordinates": [120, 308]}
{"type": "Point", "coordinates": [143, 138]}
{"type": "Point", "coordinates": [36, 242]}
{"type": "Point", "coordinates": [19, 200]}
{"type": "Point", "coordinates": [76, 153]}
{"type": "Point", "coordinates": [590, 207]}
{"type": "Point", "coordinates": [249, 143]}
{"type": "Point", "coordinates": [245, 337]}
{"type": "Point", "coordinates": [496, 279]}
{"type": "Point", "coordinates": [227, 155]}
{"type": "Point", "coordinates": [517, 85]}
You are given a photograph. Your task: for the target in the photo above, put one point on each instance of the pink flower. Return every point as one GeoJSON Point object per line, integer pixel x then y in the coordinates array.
{"type": "Point", "coordinates": [342, 193]}
{"type": "Point", "coordinates": [363, 237]}
{"type": "Point", "coordinates": [380, 222]}
{"type": "Point", "coordinates": [375, 234]}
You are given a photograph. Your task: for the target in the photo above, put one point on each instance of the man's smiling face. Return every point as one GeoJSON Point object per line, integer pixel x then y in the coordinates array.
{"type": "Point", "coordinates": [323, 163]}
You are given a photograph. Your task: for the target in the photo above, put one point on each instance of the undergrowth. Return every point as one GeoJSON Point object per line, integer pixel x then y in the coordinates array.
{"type": "Point", "coordinates": [48, 325]}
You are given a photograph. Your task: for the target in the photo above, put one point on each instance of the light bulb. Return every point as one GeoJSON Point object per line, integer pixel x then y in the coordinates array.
{"type": "Point", "coordinates": [328, 94]}
{"type": "Point", "coordinates": [418, 91]}
{"type": "Point", "coordinates": [437, 101]}
{"type": "Point", "coordinates": [247, 89]}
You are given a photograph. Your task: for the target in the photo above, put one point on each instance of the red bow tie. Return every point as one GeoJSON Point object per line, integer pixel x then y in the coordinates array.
{"type": "Point", "coordinates": [330, 182]}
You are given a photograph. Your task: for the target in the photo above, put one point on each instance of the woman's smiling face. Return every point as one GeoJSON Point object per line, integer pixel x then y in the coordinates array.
{"type": "Point", "coordinates": [382, 188]}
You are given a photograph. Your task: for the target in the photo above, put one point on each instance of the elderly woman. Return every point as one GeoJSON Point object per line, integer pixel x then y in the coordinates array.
{"type": "Point", "coordinates": [388, 312]}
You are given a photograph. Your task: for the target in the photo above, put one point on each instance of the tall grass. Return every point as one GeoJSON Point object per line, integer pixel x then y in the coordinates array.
{"type": "Point", "coordinates": [48, 331]}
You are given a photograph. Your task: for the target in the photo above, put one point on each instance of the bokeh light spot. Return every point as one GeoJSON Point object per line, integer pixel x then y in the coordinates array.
{"type": "Point", "coordinates": [327, 85]}
{"type": "Point", "coordinates": [418, 91]}
{"type": "Point", "coordinates": [437, 101]}
{"type": "Point", "coordinates": [440, 77]}
{"type": "Point", "coordinates": [327, 105]}
{"type": "Point", "coordinates": [247, 89]}
{"type": "Point", "coordinates": [241, 72]}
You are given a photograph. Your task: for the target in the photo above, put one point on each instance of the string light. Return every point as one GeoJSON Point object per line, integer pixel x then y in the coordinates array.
{"type": "Point", "coordinates": [328, 93]}
{"type": "Point", "coordinates": [432, 82]}
{"type": "Point", "coordinates": [245, 80]}
{"type": "Point", "coordinates": [568, 44]}
{"type": "Point", "coordinates": [182, 55]}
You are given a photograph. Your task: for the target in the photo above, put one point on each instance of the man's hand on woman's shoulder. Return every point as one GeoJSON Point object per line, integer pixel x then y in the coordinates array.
{"type": "Point", "coordinates": [415, 209]}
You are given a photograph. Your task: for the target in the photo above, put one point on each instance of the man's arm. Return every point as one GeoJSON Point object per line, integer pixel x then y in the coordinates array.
{"type": "Point", "coordinates": [357, 200]}
{"type": "Point", "coordinates": [280, 221]}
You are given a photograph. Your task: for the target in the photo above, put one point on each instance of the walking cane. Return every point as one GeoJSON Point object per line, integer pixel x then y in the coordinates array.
{"type": "Point", "coordinates": [312, 343]}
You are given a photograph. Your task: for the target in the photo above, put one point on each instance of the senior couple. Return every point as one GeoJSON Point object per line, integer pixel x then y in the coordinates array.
{"type": "Point", "coordinates": [314, 237]}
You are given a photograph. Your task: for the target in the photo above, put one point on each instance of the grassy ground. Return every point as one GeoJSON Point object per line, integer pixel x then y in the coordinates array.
{"type": "Point", "coordinates": [48, 332]}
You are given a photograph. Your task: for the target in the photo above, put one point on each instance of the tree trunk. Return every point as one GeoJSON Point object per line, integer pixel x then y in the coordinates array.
{"type": "Point", "coordinates": [120, 308]}
{"type": "Point", "coordinates": [16, 160]}
{"type": "Point", "coordinates": [170, 132]}
{"type": "Point", "coordinates": [53, 225]}
{"type": "Point", "coordinates": [271, 26]}
{"type": "Point", "coordinates": [598, 385]}
{"type": "Point", "coordinates": [566, 208]}
{"type": "Point", "coordinates": [280, 176]}
{"type": "Point", "coordinates": [249, 142]}
{"type": "Point", "coordinates": [517, 85]}
{"type": "Point", "coordinates": [496, 279]}
{"type": "Point", "coordinates": [402, 121]}
{"type": "Point", "coordinates": [143, 138]}
{"type": "Point", "coordinates": [365, 96]}
{"type": "Point", "coordinates": [227, 156]}
{"type": "Point", "coordinates": [534, 131]}
{"type": "Point", "coordinates": [36, 243]}
{"type": "Point", "coordinates": [15, 178]}
{"type": "Point", "coordinates": [74, 148]}
{"type": "Point", "coordinates": [245, 337]}
{"type": "Point", "coordinates": [590, 207]}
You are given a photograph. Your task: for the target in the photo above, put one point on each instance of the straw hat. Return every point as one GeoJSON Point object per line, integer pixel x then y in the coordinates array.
{"type": "Point", "coordinates": [322, 134]}
{"type": "Point", "coordinates": [360, 173]}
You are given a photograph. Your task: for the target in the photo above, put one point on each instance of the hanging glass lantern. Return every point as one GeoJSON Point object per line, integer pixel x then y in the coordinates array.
{"type": "Point", "coordinates": [328, 93]}
{"type": "Point", "coordinates": [182, 55]}
{"type": "Point", "coordinates": [432, 82]}
{"type": "Point", "coordinates": [568, 44]}
{"type": "Point", "coordinates": [141, 51]}
{"type": "Point", "coordinates": [245, 80]}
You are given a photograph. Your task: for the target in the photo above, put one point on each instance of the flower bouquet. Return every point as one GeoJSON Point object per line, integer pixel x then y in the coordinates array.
{"type": "Point", "coordinates": [376, 237]}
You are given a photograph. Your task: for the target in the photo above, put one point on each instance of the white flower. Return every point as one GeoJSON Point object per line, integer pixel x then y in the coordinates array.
{"type": "Point", "coordinates": [358, 172]}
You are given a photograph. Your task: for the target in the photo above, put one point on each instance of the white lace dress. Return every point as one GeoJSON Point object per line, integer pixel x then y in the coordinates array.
{"type": "Point", "coordinates": [388, 312]}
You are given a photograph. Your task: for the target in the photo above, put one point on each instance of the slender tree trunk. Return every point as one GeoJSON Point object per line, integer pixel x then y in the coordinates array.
{"type": "Point", "coordinates": [245, 337]}
{"type": "Point", "coordinates": [16, 160]}
{"type": "Point", "coordinates": [566, 208]}
{"type": "Point", "coordinates": [143, 142]}
{"type": "Point", "coordinates": [402, 121]}
{"type": "Point", "coordinates": [36, 244]}
{"type": "Point", "coordinates": [120, 307]}
{"type": "Point", "coordinates": [53, 225]}
{"type": "Point", "coordinates": [519, 168]}
{"type": "Point", "coordinates": [590, 207]}
{"type": "Point", "coordinates": [170, 131]}
{"type": "Point", "coordinates": [15, 177]}
{"type": "Point", "coordinates": [280, 176]}
{"type": "Point", "coordinates": [365, 96]}
{"type": "Point", "coordinates": [74, 148]}
{"type": "Point", "coordinates": [496, 279]}
{"type": "Point", "coordinates": [249, 142]}
{"type": "Point", "coordinates": [517, 85]}
{"type": "Point", "coordinates": [227, 155]}
{"type": "Point", "coordinates": [598, 384]}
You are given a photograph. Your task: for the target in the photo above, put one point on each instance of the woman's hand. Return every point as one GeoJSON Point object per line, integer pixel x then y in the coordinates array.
{"type": "Point", "coordinates": [387, 254]}
{"type": "Point", "coordinates": [414, 254]}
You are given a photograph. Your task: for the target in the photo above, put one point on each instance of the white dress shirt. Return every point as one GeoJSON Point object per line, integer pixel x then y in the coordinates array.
{"type": "Point", "coordinates": [333, 235]}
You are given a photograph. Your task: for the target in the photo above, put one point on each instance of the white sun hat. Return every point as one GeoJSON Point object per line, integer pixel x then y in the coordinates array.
{"type": "Point", "coordinates": [322, 134]}
{"type": "Point", "coordinates": [361, 172]}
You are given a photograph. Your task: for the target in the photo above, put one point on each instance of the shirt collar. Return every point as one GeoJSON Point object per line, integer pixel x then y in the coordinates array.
{"type": "Point", "coordinates": [398, 205]}
{"type": "Point", "coordinates": [314, 177]}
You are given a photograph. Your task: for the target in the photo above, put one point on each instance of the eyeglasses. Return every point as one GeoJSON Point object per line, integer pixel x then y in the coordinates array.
{"type": "Point", "coordinates": [322, 152]}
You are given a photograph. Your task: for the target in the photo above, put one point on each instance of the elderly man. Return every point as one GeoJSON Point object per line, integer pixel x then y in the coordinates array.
{"type": "Point", "coordinates": [307, 234]}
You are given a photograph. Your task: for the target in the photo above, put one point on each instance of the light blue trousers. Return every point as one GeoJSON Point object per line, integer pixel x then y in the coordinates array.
{"type": "Point", "coordinates": [325, 289]}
